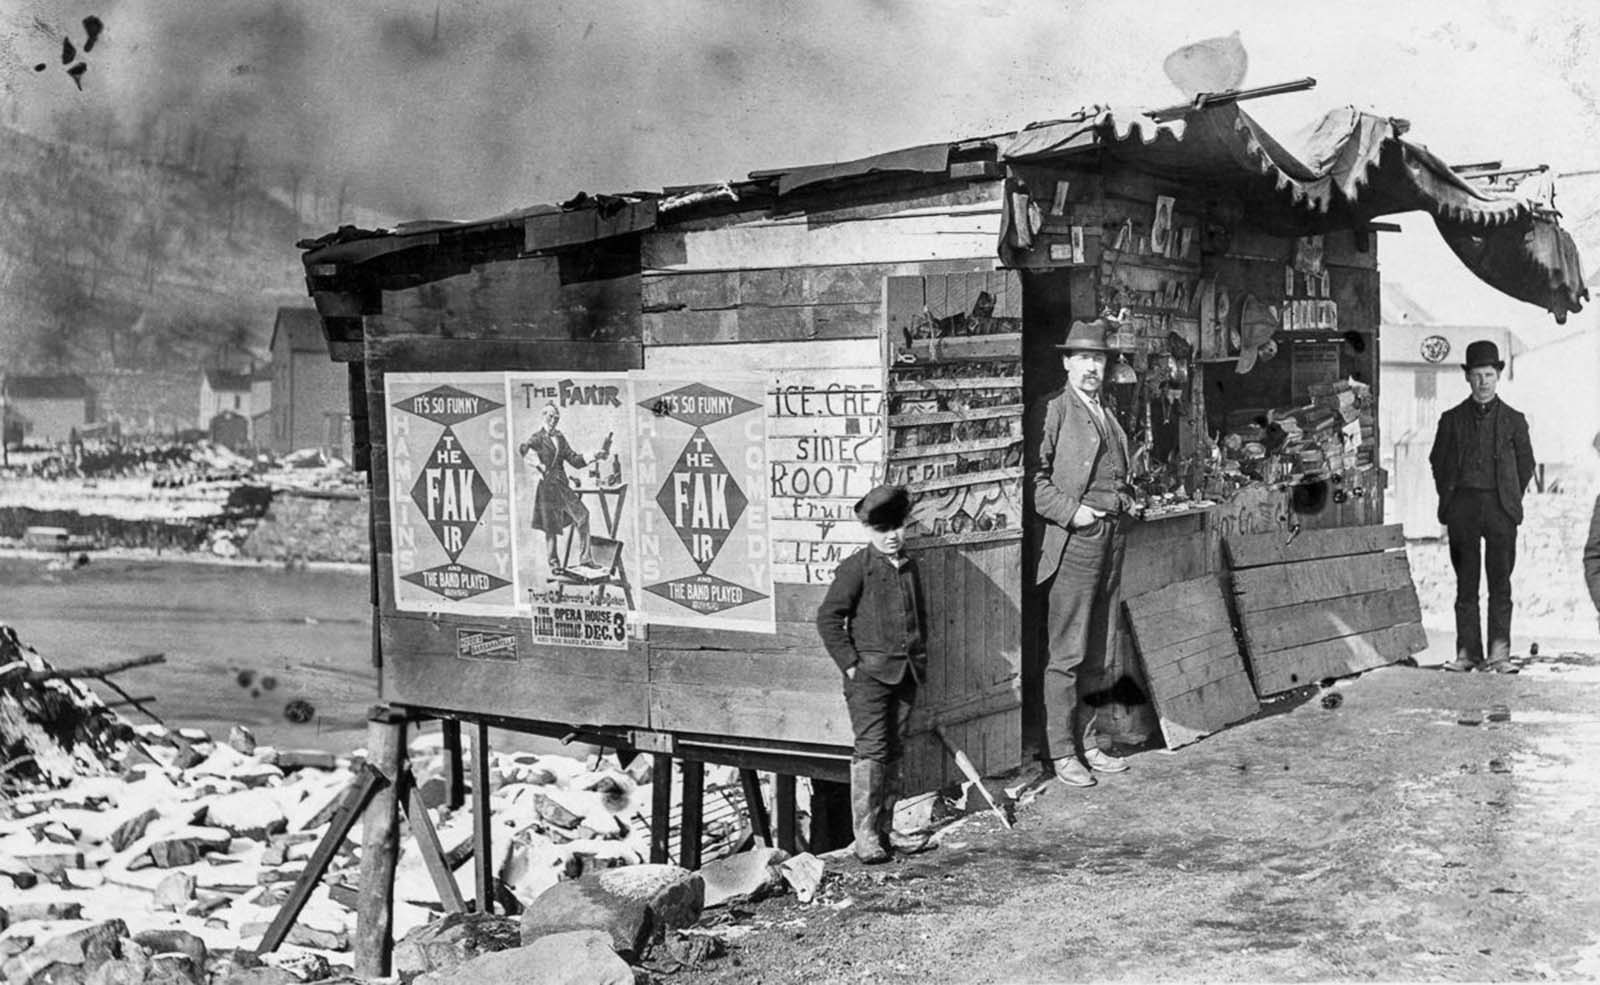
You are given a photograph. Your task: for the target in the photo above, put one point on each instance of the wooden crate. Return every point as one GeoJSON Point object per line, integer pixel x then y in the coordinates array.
{"type": "Point", "coordinates": [1325, 603]}
{"type": "Point", "coordinates": [1191, 659]}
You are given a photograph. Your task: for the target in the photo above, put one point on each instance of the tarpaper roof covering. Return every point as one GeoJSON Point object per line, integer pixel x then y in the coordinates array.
{"type": "Point", "coordinates": [1350, 166]}
{"type": "Point", "coordinates": [67, 387]}
{"type": "Point", "coordinates": [1348, 169]}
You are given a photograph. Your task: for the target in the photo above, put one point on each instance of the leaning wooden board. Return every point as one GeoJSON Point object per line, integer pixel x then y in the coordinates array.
{"type": "Point", "coordinates": [1192, 665]}
{"type": "Point", "coordinates": [1326, 603]}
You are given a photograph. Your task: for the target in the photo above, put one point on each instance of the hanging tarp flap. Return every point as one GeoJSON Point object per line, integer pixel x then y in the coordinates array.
{"type": "Point", "coordinates": [1533, 261]}
{"type": "Point", "coordinates": [927, 159]}
{"type": "Point", "coordinates": [1347, 168]}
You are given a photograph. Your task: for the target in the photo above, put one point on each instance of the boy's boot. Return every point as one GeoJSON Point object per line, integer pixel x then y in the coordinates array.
{"type": "Point", "coordinates": [896, 841]}
{"type": "Point", "coordinates": [866, 806]}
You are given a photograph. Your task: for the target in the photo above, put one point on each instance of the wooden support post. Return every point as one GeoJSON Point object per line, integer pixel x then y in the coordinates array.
{"type": "Point", "coordinates": [694, 776]}
{"type": "Point", "coordinates": [482, 820]}
{"type": "Point", "coordinates": [455, 788]}
{"type": "Point", "coordinates": [356, 795]}
{"type": "Point", "coordinates": [444, 881]}
{"type": "Point", "coordinates": [660, 807]}
{"type": "Point", "coordinates": [760, 825]}
{"type": "Point", "coordinates": [788, 821]}
{"type": "Point", "coordinates": [380, 845]}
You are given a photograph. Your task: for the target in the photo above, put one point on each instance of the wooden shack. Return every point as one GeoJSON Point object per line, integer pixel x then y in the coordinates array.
{"type": "Point", "coordinates": [755, 355]}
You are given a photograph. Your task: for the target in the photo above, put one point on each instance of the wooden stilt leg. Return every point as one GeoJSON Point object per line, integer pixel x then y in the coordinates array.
{"type": "Point", "coordinates": [660, 807]}
{"type": "Point", "coordinates": [760, 826]}
{"type": "Point", "coordinates": [380, 846]}
{"type": "Point", "coordinates": [694, 775]}
{"type": "Point", "coordinates": [444, 881]}
{"type": "Point", "coordinates": [482, 855]}
{"type": "Point", "coordinates": [788, 827]}
{"type": "Point", "coordinates": [455, 789]}
{"type": "Point", "coordinates": [355, 801]}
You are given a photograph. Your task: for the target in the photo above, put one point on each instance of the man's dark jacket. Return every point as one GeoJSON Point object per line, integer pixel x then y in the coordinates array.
{"type": "Point", "coordinates": [1513, 455]}
{"type": "Point", "coordinates": [874, 615]}
{"type": "Point", "coordinates": [1591, 556]}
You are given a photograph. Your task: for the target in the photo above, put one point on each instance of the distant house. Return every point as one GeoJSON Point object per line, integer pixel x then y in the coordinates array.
{"type": "Point", "coordinates": [310, 406]}
{"type": "Point", "coordinates": [46, 410]}
{"type": "Point", "coordinates": [222, 391]}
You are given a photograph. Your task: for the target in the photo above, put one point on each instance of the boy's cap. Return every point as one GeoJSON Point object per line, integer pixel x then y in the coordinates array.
{"type": "Point", "coordinates": [884, 508]}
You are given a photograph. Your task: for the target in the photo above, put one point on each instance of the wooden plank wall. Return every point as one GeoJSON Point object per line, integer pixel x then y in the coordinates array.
{"type": "Point", "coordinates": [1325, 604]}
{"type": "Point", "coordinates": [503, 316]}
{"type": "Point", "coordinates": [1191, 659]}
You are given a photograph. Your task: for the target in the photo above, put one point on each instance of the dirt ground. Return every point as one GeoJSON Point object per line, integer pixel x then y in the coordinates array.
{"type": "Point", "coordinates": [1378, 839]}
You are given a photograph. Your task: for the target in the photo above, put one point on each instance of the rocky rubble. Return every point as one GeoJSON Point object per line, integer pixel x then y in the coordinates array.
{"type": "Point", "coordinates": [162, 855]}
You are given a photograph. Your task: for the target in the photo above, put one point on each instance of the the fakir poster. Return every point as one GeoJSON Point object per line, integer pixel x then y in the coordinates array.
{"type": "Point", "coordinates": [572, 492]}
{"type": "Point", "coordinates": [700, 464]}
{"type": "Point", "coordinates": [448, 485]}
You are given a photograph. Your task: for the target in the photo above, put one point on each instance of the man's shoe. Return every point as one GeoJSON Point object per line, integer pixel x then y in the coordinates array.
{"type": "Point", "coordinates": [1072, 773]}
{"type": "Point", "coordinates": [1103, 762]}
{"type": "Point", "coordinates": [1461, 665]}
{"type": "Point", "coordinates": [904, 843]}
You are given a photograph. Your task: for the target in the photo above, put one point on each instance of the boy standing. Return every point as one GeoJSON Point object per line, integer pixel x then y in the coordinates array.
{"type": "Point", "coordinates": [872, 624]}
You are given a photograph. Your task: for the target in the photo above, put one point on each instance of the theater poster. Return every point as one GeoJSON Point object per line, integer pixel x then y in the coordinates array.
{"type": "Point", "coordinates": [700, 465]}
{"type": "Point", "coordinates": [449, 493]}
{"type": "Point", "coordinates": [573, 501]}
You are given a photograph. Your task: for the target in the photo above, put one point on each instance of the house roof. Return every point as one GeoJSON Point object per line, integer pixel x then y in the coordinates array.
{"type": "Point", "coordinates": [302, 328]}
{"type": "Point", "coordinates": [66, 387]}
{"type": "Point", "coordinates": [227, 380]}
{"type": "Point", "coordinates": [1342, 172]}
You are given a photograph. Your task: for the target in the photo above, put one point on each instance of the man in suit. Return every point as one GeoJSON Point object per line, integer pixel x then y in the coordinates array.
{"type": "Point", "coordinates": [1482, 461]}
{"type": "Point", "coordinates": [1078, 460]}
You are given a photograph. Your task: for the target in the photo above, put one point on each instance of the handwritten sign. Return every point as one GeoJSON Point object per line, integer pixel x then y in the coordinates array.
{"type": "Point", "coordinates": [826, 451]}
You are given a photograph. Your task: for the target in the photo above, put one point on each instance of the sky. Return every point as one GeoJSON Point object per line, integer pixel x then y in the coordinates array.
{"type": "Point", "coordinates": [463, 109]}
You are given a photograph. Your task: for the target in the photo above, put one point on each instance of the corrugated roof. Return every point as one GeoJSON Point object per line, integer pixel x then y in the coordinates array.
{"type": "Point", "coordinates": [304, 328]}
{"type": "Point", "coordinates": [65, 387]}
{"type": "Point", "coordinates": [227, 380]}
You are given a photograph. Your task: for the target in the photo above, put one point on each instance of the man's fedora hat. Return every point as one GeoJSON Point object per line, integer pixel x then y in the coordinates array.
{"type": "Point", "coordinates": [1483, 353]}
{"type": "Point", "coordinates": [1088, 336]}
{"type": "Point", "coordinates": [884, 508]}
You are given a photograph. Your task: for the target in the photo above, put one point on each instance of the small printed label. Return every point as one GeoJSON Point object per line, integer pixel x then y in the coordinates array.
{"type": "Point", "coordinates": [485, 644]}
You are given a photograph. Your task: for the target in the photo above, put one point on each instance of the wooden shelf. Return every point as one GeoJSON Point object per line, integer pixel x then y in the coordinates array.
{"type": "Point", "coordinates": [955, 348]}
{"type": "Point", "coordinates": [955, 416]}
{"type": "Point", "coordinates": [965, 479]}
{"type": "Point", "coordinates": [911, 452]}
{"type": "Point", "coordinates": [967, 537]}
{"type": "Point", "coordinates": [970, 383]}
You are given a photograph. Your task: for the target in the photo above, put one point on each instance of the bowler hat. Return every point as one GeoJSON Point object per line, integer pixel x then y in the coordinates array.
{"type": "Point", "coordinates": [1088, 336]}
{"type": "Point", "coordinates": [1483, 353]}
{"type": "Point", "coordinates": [884, 508]}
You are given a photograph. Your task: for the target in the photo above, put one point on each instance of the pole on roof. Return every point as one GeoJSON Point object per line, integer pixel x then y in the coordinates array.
{"type": "Point", "coordinates": [1205, 100]}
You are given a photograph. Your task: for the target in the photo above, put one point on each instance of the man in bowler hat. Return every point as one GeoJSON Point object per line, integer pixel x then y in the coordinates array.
{"type": "Point", "coordinates": [1482, 461]}
{"type": "Point", "coordinates": [873, 623]}
{"type": "Point", "coordinates": [1077, 467]}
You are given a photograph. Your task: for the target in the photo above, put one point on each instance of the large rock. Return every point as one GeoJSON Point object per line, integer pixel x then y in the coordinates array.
{"type": "Point", "coordinates": [584, 904]}
{"type": "Point", "coordinates": [676, 895]}
{"type": "Point", "coordinates": [174, 891]}
{"type": "Point", "coordinates": [748, 875]}
{"type": "Point", "coordinates": [454, 940]}
{"type": "Point", "coordinates": [581, 957]}
{"type": "Point", "coordinates": [173, 941]}
{"type": "Point", "coordinates": [247, 814]}
{"type": "Point", "coordinates": [83, 949]}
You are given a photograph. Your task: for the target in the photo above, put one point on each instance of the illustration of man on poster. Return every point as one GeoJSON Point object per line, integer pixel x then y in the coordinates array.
{"type": "Point", "coordinates": [570, 431]}
{"type": "Point", "coordinates": [557, 506]}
